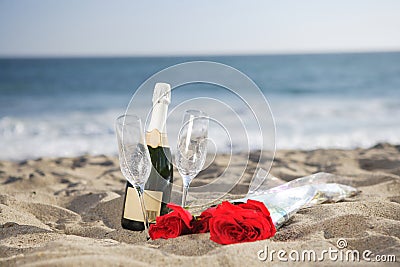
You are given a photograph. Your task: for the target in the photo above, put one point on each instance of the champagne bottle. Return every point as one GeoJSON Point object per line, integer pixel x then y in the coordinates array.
{"type": "Point", "coordinates": [159, 185]}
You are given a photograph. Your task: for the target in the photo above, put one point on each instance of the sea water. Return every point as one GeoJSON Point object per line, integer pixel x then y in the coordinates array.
{"type": "Point", "coordinates": [67, 106]}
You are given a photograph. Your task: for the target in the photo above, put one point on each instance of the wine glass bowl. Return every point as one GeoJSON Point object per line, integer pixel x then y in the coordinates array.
{"type": "Point", "coordinates": [134, 157]}
{"type": "Point", "coordinates": [191, 147]}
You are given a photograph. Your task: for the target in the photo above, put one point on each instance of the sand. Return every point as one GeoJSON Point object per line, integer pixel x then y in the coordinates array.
{"type": "Point", "coordinates": [66, 211]}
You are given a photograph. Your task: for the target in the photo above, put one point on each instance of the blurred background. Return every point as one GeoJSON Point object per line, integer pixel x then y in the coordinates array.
{"type": "Point", "coordinates": [329, 69]}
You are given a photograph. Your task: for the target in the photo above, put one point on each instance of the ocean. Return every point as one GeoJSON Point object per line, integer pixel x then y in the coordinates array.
{"type": "Point", "coordinates": [67, 106]}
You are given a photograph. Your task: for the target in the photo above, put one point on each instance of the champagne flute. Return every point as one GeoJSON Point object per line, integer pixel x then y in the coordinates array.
{"type": "Point", "coordinates": [134, 157]}
{"type": "Point", "coordinates": [191, 147]}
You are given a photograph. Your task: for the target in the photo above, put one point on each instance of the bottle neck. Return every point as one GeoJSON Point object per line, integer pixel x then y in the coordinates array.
{"type": "Point", "coordinates": [158, 118]}
{"type": "Point", "coordinates": [157, 130]}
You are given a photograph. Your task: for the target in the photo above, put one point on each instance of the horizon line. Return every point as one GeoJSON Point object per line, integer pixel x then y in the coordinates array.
{"type": "Point", "coordinates": [213, 54]}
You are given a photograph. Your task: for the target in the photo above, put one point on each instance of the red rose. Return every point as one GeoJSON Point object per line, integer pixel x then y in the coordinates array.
{"type": "Point", "coordinates": [201, 223]}
{"type": "Point", "coordinates": [244, 222]}
{"type": "Point", "coordinates": [227, 223]}
{"type": "Point", "coordinates": [171, 225]}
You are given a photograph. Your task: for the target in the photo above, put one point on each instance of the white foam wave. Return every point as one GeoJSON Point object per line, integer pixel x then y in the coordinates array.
{"type": "Point", "coordinates": [301, 124]}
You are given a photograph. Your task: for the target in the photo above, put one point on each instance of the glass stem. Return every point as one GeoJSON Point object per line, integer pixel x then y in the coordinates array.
{"type": "Point", "coordinates": [146, 220]}
{"type": "Point", "coordinates": [185, 191]}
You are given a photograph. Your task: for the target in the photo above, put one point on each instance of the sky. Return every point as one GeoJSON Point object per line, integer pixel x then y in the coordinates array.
{"type": "Point", "coordinates": [173, 27]}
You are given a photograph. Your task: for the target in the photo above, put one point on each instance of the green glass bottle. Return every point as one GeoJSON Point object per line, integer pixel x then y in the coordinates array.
{"type": "Point", "coordinates": [159, 185]}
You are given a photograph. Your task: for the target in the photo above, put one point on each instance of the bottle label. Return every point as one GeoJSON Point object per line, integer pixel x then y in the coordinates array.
{"type": "Point", "coordinates": [155, 139]}
{"type": "Point", "coordinates": [152, 201]}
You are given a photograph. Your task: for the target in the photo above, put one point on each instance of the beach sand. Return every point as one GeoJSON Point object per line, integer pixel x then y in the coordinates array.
{"type": "Point", "coordinates": [66, 211]}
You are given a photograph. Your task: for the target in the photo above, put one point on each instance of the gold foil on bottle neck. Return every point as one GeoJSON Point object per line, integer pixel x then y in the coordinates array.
{"type": "Point", "coordinates": [155, 139]}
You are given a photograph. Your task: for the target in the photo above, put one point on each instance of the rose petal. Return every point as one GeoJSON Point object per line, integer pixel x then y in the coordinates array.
{"type": "Point", "coordinates": [168, 228]}
{"type": "Point", "coordinates": [182, 213]}
{"type": "Point", "coordinates": [201, 225]}
{"type": "Point", "coordinates": [208, 213]}
{"type": "Point", "coordinates": [255, 205]}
